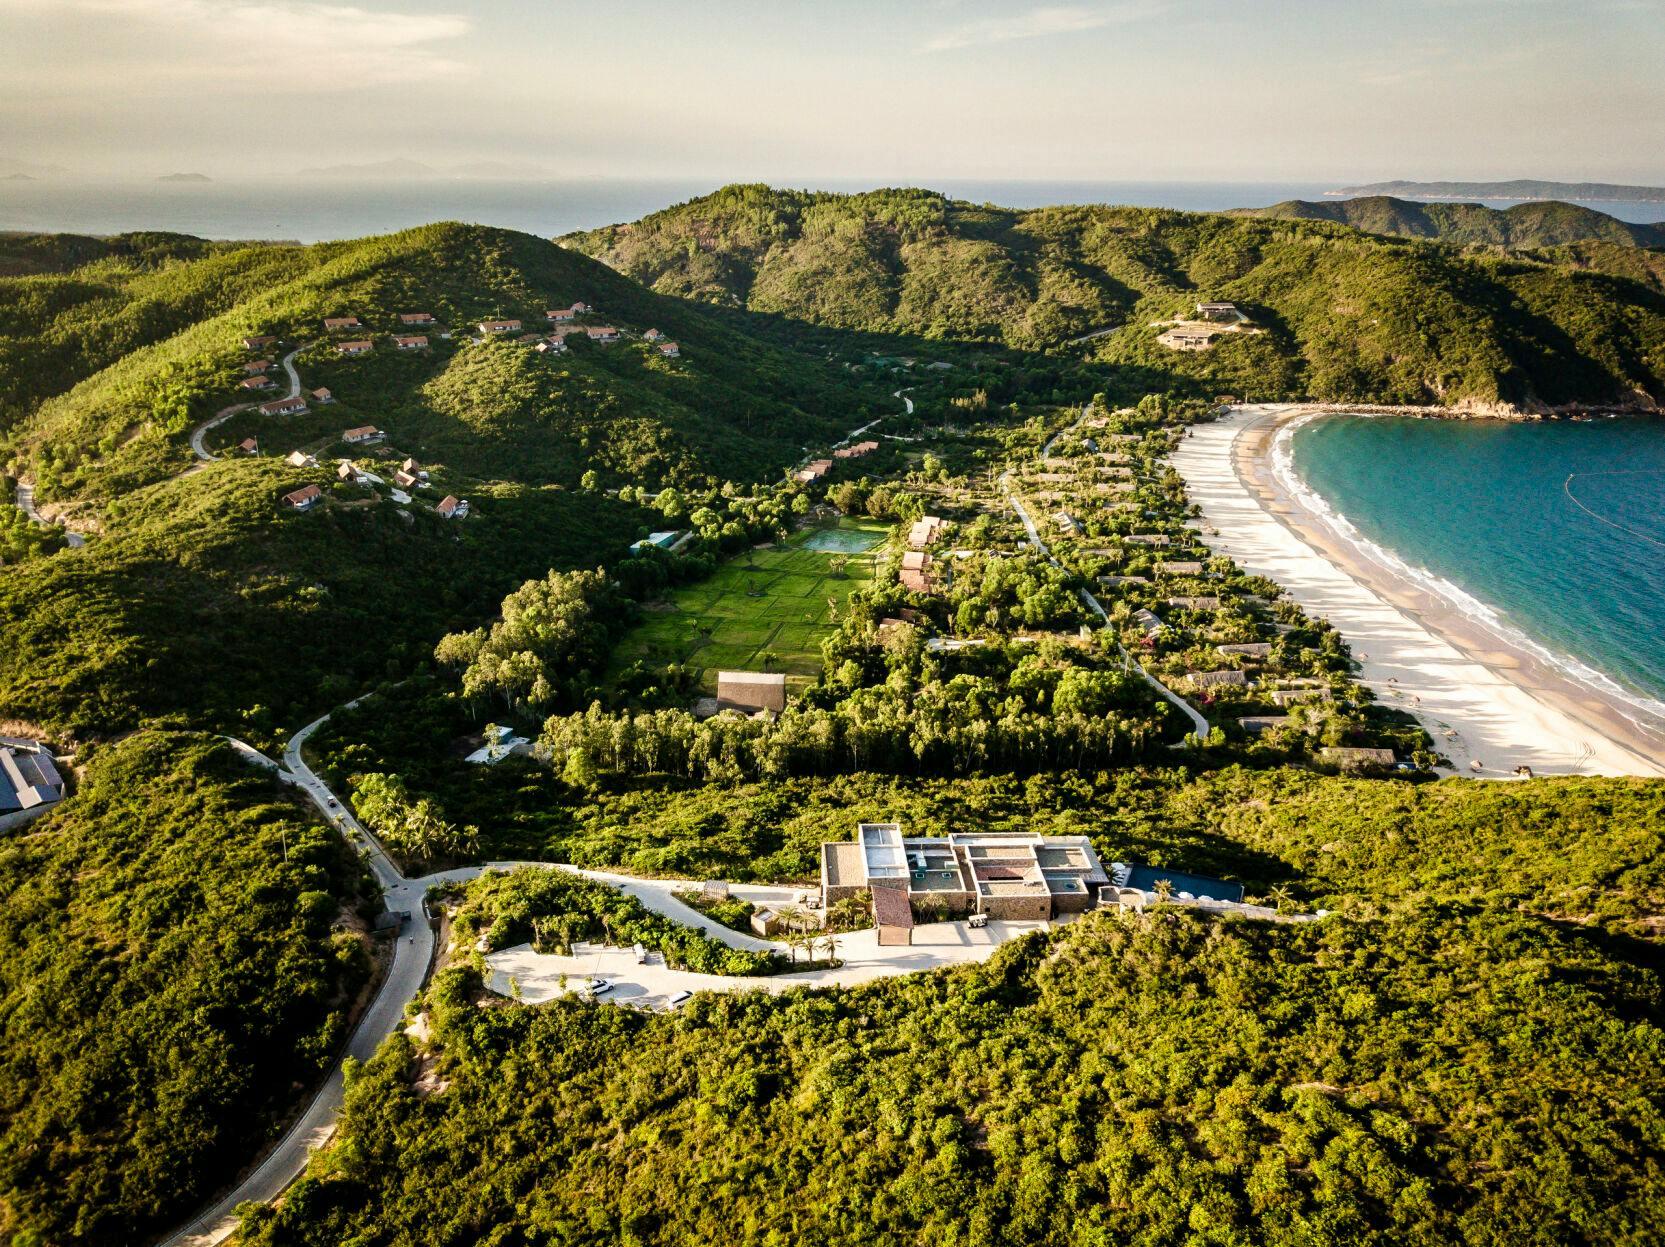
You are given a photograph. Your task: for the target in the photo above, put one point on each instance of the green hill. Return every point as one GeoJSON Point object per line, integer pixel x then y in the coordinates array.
{"type": "Point", "coordinates": [1348, 316]}
{"type": "Point", "coordinates": [732, 405]}
{"type": "Point", "coordinates": [177, 955]}
{"type": "Point", "coordinates": [208, 605]}
{"type": "Point", "coordinates": [71, 305]}
{"type": "Point", "coordinates": [1535, 224]}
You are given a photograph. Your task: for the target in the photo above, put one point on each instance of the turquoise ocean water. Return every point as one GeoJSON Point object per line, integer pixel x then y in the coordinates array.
{"type": "Point", "coordinates": [1552, 535]}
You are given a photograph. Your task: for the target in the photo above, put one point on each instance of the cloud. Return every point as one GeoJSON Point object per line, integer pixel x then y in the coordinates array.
{"type": "Point", "coordinates": [285, 45]}
{"type": "Point", "coordinates": [1036, 23]}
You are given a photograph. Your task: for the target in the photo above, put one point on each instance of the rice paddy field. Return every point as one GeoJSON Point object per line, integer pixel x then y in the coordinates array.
{"type": "Point", "coordinates": [773, 601]}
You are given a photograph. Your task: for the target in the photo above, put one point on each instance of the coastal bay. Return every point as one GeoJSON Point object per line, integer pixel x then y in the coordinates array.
{"type": "Point", "coordinates": [1491, 704]}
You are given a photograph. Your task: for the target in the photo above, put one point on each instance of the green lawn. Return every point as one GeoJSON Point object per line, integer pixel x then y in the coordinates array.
{"type": "Point", "coordinates": [773, 600]}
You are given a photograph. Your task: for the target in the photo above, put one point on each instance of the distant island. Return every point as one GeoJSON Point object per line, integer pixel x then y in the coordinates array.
{"type": "Point", "coordinates": [18, 177]}
{"type": "Point", "coordinates": [396, 168]}
{"type": "Point", "coordinates": [184, 177]}
{"type": "Point", "coordinates": [1520, 188]}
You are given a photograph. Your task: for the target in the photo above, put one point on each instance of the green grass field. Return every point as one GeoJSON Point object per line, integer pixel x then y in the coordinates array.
{"type": "Point", "coordinates": [764, 601]}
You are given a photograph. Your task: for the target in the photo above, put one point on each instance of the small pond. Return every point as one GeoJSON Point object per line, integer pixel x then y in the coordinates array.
{"type": "Point", "coordinates": [844, 540]}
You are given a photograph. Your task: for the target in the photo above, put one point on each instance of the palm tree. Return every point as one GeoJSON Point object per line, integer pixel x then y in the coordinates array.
{"type": "Point", "coordinates": [1164, 889]}
{"type": "Point", "coordinates": [1282, 898]}
{"type": "Point", "coordinates": [796, 919]}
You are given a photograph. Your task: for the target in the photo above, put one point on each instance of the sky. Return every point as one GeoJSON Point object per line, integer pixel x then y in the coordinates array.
{"type": "Point", "coordinates": [886, 90]}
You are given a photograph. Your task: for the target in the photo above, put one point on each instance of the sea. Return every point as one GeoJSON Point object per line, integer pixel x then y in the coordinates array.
{"type": "Point", "coordinates": [1549, 535]}
{"type": "Point", "coordinates": [317, 209]}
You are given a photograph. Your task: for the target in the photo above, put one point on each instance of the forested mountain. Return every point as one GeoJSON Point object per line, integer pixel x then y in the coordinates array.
{"type": "Point", "coordinates": [1536, 224]}
{"type": "Point", "coordinates": [733, 404]}
{"type": "Point", "coordinates": [1347, 316]}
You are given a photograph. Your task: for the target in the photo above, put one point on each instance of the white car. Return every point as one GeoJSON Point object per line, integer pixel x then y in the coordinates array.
{"type": "Point", "coordinates": [676, 1001]}
{"type": "Point", "coordinates": [599, 987]}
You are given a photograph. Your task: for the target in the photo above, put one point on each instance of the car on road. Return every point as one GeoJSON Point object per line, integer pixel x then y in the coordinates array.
{"type": "Point", "coordinates": [600, 987]}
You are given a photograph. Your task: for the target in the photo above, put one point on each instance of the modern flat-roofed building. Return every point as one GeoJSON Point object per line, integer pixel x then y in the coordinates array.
{"type": "Point", "coordinates": [1013, 876]}
{"type": "Point", "coordinates": [751, 692]}
{"type": "Point", "coordinates": [1188, 338]}
{"type": "Point", "coordinates": [1221, 313]}
{"type": "Point", "coordinates": [29, 779]}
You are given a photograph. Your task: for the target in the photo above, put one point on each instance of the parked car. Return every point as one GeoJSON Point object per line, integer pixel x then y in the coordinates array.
{"type": "Point", "coordinates": [676, 1001]}
{"type": "Point", "coordinates": [978, 920]}
{"type": "Point", "coordinates": [641, 955]}
{"type": "Point", "coordinates": [599, 987]}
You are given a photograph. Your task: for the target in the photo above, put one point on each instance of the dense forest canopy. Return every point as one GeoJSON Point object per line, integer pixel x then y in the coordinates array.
{"type": "Point", "coordinates": [180, 947]}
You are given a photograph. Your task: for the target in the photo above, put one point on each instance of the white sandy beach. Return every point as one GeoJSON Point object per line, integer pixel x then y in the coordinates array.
{"type": "Point", "coordinates": [1480, 699]}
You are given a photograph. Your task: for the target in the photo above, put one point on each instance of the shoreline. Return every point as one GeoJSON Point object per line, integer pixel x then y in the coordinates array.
{"type": "Point", "coordinates": [1481, 698]}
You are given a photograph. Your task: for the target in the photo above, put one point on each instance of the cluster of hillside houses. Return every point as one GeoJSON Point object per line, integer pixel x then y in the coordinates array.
{"type": "Point", "coordinates": [915, 573]}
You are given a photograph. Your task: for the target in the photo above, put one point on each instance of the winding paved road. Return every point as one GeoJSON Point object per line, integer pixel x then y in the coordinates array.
{"type": "Point", "coordinates": [26, 504]}
{"type": "Point", "coordinates": [413, 955]}
{"type": "Point", "coordinates": [199, 447]}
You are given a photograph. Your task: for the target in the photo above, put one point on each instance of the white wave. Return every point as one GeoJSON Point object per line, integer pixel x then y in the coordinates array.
{"type": "Point", "coordinates": [1645, 712]}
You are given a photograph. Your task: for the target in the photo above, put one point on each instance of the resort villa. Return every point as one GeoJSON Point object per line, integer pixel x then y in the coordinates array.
{"type": "Point", "coordinates": [915, 573]}
{"type": "Point", "coordinates": [359, 346]}
{"type": "Point", "coordinates": [415, 318]}
{"type": "Point", "coordinates": [1005, 876]}
{"type": "Point", "coordinates": [452, 508]}
{"type": "Point", "coordinates": [670, 350]}
{"type": "Point", "coordinates": [1188, 338]}
{"type": "Point", "coordinates": [411, 342]}
{"type": "Point", "coordinates": [283, 406]}
{"type": "Point", "coordinates": [603, 334]}
{"type": "Point", "coordinates": [1012, 876]}
{"type": "Point", "coordinates": [751, 692]}
{"type": "Point", "coordinates": [304, 499]}
{"type": "Point", "coordinates": [498, 327]}
{"type": "Point", "coordinates": [365, 433]}
{"type": "Point", "coordinates": [856, 451]}
{"type": "Point", "coordinates": [813, 471]}
{"type": "Point", "coordinates": [1220, 313]}
{"type": "Point", "coordinates": [29, 780]}
{"type": "Point", "coordinates": [255, 383]}
{"type": "Point", "coordinates": [334, 323]}
{"type": "Point", "coordinates": [925, 531]}
{"type": "Point", "coordinates": [258, 341]}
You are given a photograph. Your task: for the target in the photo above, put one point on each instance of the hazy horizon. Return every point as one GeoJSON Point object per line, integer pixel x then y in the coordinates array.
{"type": "Point", "coordinates": [1116, 90]}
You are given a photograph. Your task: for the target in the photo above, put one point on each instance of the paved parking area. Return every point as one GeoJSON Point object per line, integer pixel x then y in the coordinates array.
{"type": "Point", "coordinates": [542, 977]}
